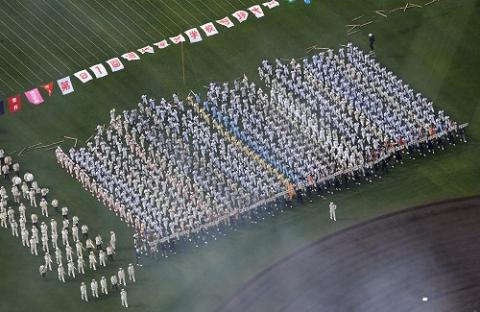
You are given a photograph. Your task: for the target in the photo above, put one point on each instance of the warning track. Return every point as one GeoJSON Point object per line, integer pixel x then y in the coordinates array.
{"type": "Point", "coordinates": [385, 264]}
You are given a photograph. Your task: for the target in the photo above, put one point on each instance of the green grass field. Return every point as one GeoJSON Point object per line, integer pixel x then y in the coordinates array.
{"type": "Point", "coordinates": [434, 49]}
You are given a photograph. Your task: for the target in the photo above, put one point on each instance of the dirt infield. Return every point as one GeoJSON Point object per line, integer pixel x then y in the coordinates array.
{"type": "Point", "coordinates": [386, 264]}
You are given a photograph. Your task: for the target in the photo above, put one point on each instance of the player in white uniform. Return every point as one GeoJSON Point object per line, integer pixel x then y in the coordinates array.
{"type": "Point", "coordinates": [92, 261]}
{"type": "Point", "coordinates": [61, 273]}
{"type": "Point", "coordinates": [131, 273]}
{"type": "Point", "coordinates": [332, 207]}
{"type": "Point", "coordinates": [123, 296]}
{"type": "Point", "coordinates": [94, 288]}
{"type": "Point", "coordinates": [83, 292]}
{"type": "Point", "coordinates": [121, 277]}
{"type": "Point", "coordinates": [103, 285]}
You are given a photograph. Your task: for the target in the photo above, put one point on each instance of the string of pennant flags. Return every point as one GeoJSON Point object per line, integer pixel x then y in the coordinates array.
{"type": "Point", "coordinates": [194, 35]}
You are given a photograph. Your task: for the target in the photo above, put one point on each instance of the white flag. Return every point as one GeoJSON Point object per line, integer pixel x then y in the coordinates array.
{"type": "Point", "coordinates": [131, 56]}
{"type": "Point", "coordinates": [65, 85]}
{"type": "Point", "coordinates": [209, 29]}
{"type": "Point", "coordinates": [194, 35]}
{"type": "Point", "coordinates": [271, 4]}
{"type": "Point", "coordinates": [257, 11]}
{"type": "Point", "coordinates": [177, 39]}
{"type": "Point", "coordinates": [115, 64]}
{"type": "Point", "coordinates": [241, 15]}
{"type": "Point", "coordinates": [162, 44]}
{"type": "Point", "coordinates": [147, 49]}
{"type": "Point", "coordinates": [226, 21]}
{"type": "Point", "coordinates": [99, 70]}
{"type": "Point", "coordinates": [83, 75]}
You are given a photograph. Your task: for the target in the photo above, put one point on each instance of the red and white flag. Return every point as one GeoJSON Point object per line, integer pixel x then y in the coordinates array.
{"type": "Point", "coordinates": [241, 15]}
{"type": "Point", "coordinates": [177, 39]}
{"type": "Point", "coordinates": [226, 21]}
{"type": "Point", "coordinates": [34, 96]}
{"type": "Point", "coordinates": [99, 70]}
{"type": "Point", "coordinates": [131, 56]}
{"type": "Point", "coordinates": [271, 4]}
{"type": "Point", "coordinates": [194, 35]}
{"type": "Point", "coordinates": [49, 88]}
{"type": "Point", "coordinates": [14, 103]}
{"type": "Point", "coordinates": [147, 49]}
{"type": "Point", "coordinates": [209, 29]}
{"type": "Point", "coordinates": [83, 75]}
{"type": "Point", "coordinates": [65, 85]}
{"type": "Point", "coordinates": [115, 64]}
{"type": "Point", "coordinates": [162, 44]}
{"type": "Point", "coordinates": [257, 11]}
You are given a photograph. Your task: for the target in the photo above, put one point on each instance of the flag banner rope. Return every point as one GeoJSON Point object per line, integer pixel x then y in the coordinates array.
{"type": "Point", "coordinates": [193, 35]}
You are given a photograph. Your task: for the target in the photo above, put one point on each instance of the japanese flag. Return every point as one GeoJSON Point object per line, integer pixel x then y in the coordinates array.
{"type": "Point", "coordinates": [241, 16]}
{"type": "Point", "coordinates": [209, 29]}
{"type": "Point", "coordinates": [177, 39]}
{"type": "Point", "coordinates": [147, 49]}
{"type": "Point", "coordinates": [162, 44]}
{"type": "Point", "coordinates": [226, 21]}
{"type": "Point", "coordinates": [99, 70]}
{"type": "Point", "coordinates": [257, 11]}
{"type": "Point", "coordinates": [83, 75]}
{"type": "Point", "coordinates": [131, 56]}
{"type": "Point", "coordinates": [115, 64]}
{"type": "Point", "coordinates": [271, 4]}
{"type": "Point", "coordinates": [34, 96]}
{"type": "Point", "coordinates": [14, 103]}
{"type": "Point", "coordinates": [194, 35]}
{"type": "Point", "coordinates": [65, 85]}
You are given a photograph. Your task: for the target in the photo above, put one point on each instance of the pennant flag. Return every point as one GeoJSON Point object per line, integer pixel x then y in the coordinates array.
{"type": "Point", "coordinates": [177, 39]}
{"type": "Point", "coordinates": [194, 35]}
{"type": "Point", "coordinates": [14, 103]}
{"type": "Point", "coordinates": [65, 85]}
{"type": "Point", "coordinates": [83, 75]}
{"type": "Point", "coordinates": [49, 88]}
{"type": "Point", "coordinates": [226, 21]}
{"type": "Point", "coordinates": [99, 70]}
{"type": "Point", "coordinates": [241, 16]}
{"type": "Point", "coordinates": [209, 29]}
{"type": "Point", "coordinates": [2, 108]}
{"type": "Point", "coordinates": [162, 44]}
{"type": "Point", "coordinates": [147, 49]}
{"type": "Point", "coordinates": [34, 96]}
{"type": "Point", "coordinates": [257, 11]}
{"type": "Point", "coordinates": [271, 4]}
{"type": "Point", "coordinates": [131, 56]}
{"type": "Point", "coordinates": [115, 64]}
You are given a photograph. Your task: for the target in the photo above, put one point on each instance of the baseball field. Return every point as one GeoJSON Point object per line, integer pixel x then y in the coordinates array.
{"type": "Point", "coordinates": [433, 47]}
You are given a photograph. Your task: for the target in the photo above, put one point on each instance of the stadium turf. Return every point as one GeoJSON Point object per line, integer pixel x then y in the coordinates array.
{"type": "Point", "coordinates": [433, 48]}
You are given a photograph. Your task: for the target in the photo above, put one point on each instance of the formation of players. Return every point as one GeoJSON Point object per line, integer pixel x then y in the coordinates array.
{"type": "Point", "coordinates": [27, 212]}
{"type": "Point", "coordinates": [178, 168]}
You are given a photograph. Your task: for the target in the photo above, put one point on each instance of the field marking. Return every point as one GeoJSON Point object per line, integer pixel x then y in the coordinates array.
{"type": "Point", "coordinates": [162, 13]}
{"type": "Point", "coordinates": [132, 21]}
{"type": "Point", "coordinates": [166, 15]}
{"type": "Point", "coordinates": [102, 16]}
{"type": "Point", "coordinates": [94, 22]}
{"type": "Point", "coordinates": [215, 15]}
{"type": "Point", "coordinates": [35, 40]}
{"type": "Point", "coordinates": [188, 12]}
{"type": "Point", "coordinates": [196, 8]}
{"type": "Point", "coordinates": [86, 26]}
{"type": "Point", "coordinates": [119, 20]}
{"type": "Point", "coordinates": [174, 12]}
{"type": "Point", "coordinates": [47, 37]}
{"type": "Point", "coordinates": [143, 18]}
{"type": "Point", "coordinates": [7, 84]}
{"type": "Point", "coordinates": [62, 28]}
{"type": "Point", "coordinates": [35, 51]}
